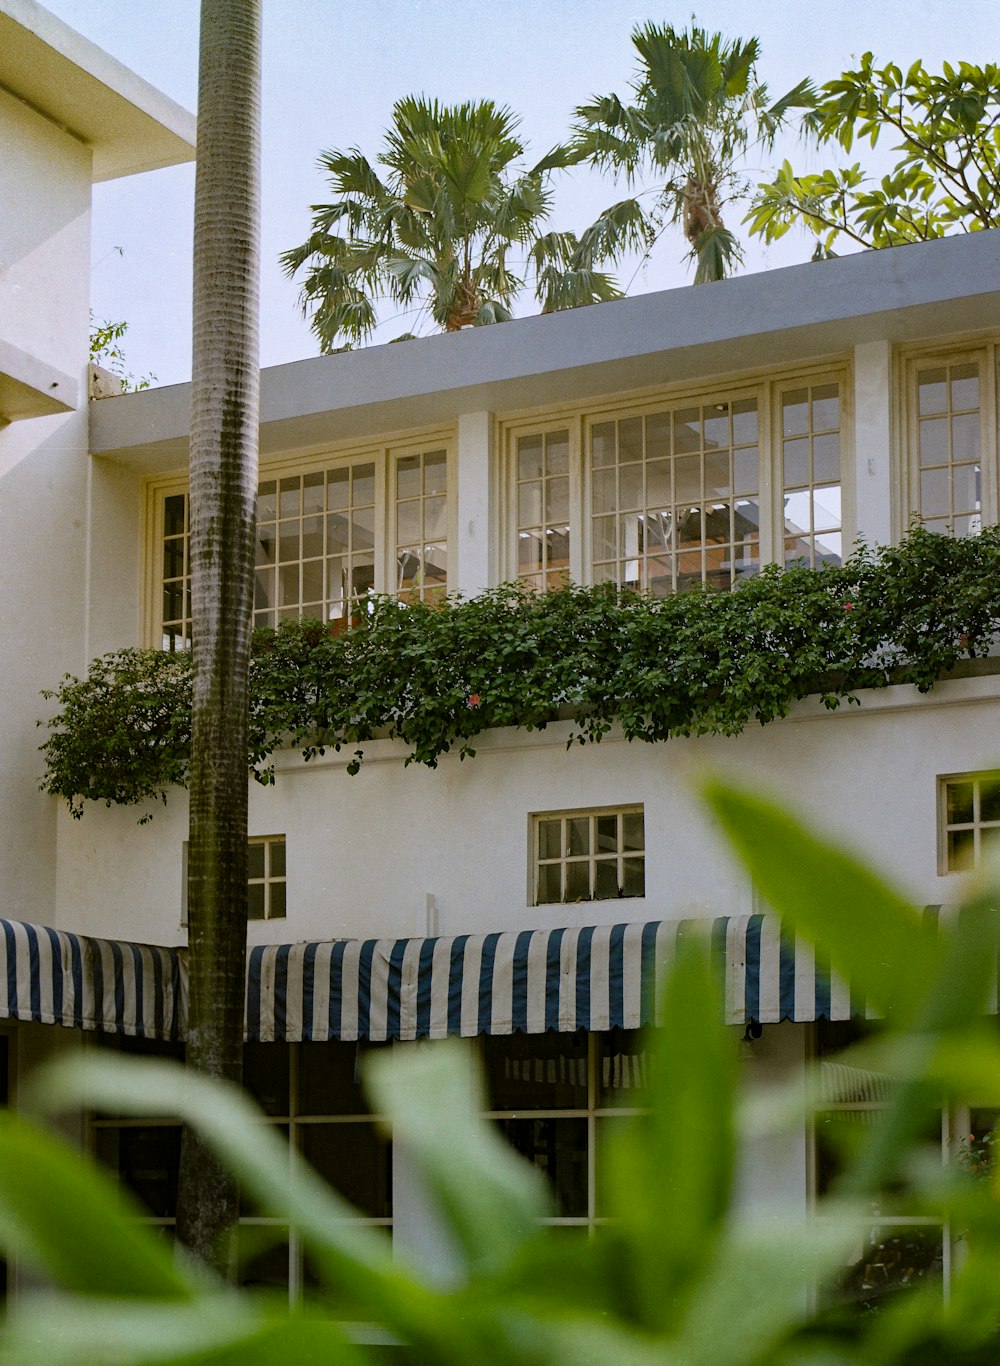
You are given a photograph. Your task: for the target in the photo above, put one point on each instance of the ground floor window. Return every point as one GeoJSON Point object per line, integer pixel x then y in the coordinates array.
{"type": "Point", "coordinates": [555, 1097]}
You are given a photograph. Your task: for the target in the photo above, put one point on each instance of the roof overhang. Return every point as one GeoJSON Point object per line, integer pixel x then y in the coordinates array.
{"type": "Point", "coordinates": [129, 125]}
{"type": "Point", "coordinates": [776, 317]}
{"type": "Point", "coordinates": [30, 388]}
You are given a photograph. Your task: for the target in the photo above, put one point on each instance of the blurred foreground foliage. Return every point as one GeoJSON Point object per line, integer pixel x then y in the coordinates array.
{"type": "Point", "coordinates": [436, 676]}
{"type": "Point", "coordinates": [679, 1275]}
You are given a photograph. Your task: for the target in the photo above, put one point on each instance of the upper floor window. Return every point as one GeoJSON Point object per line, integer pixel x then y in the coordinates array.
{"type": "Point", "coordinates": [950, 441]}
{"type": "Point", "coordinates": [969, 820]}
{"type": "Point", "coordinates": [588, 855]}
{"type": "Point", "coordinates": [670, 496]}
{"type": "Point", "coordinates": [327, 537]}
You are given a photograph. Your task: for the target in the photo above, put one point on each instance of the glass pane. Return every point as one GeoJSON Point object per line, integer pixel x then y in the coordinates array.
{"type": "Point", "coordinates": [717, 426]}
{"type": "Point", "coordinates": [826, 508]}
{"type": "Point", "coordinates": [529, 457]}
{"type": "Point", "coordinates": [338, 534]}
{"type": "Point", "coordinates": [826, 458]}
{"type": "Point", "coordinates": [255, 859]}
{"type": "Point", "coordinates": [408, 523]}
{"type": "Point", "coordinates": [363, 528]}
{"type": "Point", "coordinates": [745, 422]}
{"type": "Point", "coordinates": [173, 601]}
{"type": "Point", "coordinates": [603, 445]}
{"type": "Point", "coordinates": [529, 552]}
{"type": "Point", "coordinates": [435, 518]}
{"type": "Point", "coordinates": [932, 391]}
{"type": "Point", "coordinates": [435, 472]}
{"type": "Point", "coordinates": [891, 1261]}
{"type": "Point", "coordinates": [329, 1078]}
{"type": "Point", "coordinates": [634, 876]}
{"type": "Point", "coordinates": [312, 584]}
{"type": "Point", "coordinates": [658, 492]}
{"type": "Point", "coordinates": [529, 504]}
{"type": "Point", "coordinates": [657, 436]}
{"type": "Point", "coordinates": [312, 537]}
{"type": "Point", "coordinates": [338, 484]}
{"type": "Point", "coordinates": [356, 1160]}
{"type": "Point", "coordinates": [558, 1148]}
{"type": "Point", "coordinates": [263, 591]}
{"type": "Point", "coordinates": [578, 835]}
{"type": "Point", "coordinates": [264, 1268]}
{"type": "Point", "coordinates": [797, 463]}
{"type": "Point", "coordinates": [549, 889]}
{"type": "Point", "coordinates": [290, 497]}
{"type": "Point", "coordinates": [632, 830]}
{"type": "Point", "coordinates": [795, 412]}
{"type": "Point", "coordinates": [266, 545]}
{"type": "Point", "coordinates": [557, 453]}
{"type": "Point", "coordinates": [173, 514]}
{"type": "Point", "coordinates": [687, 430]}
{"type": "Point", "coordinates": [964, 386]}
{"type": "Point", "coordinates": [276, 849]}
{"type": "Point", "coordinates": [173, 558]}
{"type": "Point", "coordinates": [623, 1068]}
{"type": "Point", "coordinates": [965, 488]}
{"type": "Point", "coordinates": [266, 1076]}
{"type": "Point", "coordinates": [934, 441]}
{"type": "Point", "coordinates": [825, 407]}
{"type": "Point", "coordinates": [288, 541]}
{"type": "Point", "coordinates": [965, 437]}
{"type": "Point", "coordinates": [255, 901]}
{"type": "Point", "coordinates": [606, 884]}
{"type": "Point", "coordinates": [959, 802]}
{"type": "Point", "coordinates": [605, 538]}
{"type": "Point", "coordinates": [961, 850]}
{"type": "Point", "coordinates": [266, 501]}
{"type": "Point", "coordinates": [935, 493]}
{"type": "Point", "coordinates": [605, 491]}
{"type": "Point", "coordinates": [362, 484]}
{"type": "Point", "coordinates": [276, 893]}
{"type": "Point", "coordinates": [717, 474]}
{"type": "Point", "coordinates": [578, 881]}
{"type": "Point", "coordinates": [687, 479]}
{"type": "Point", "coordinates": [146, 1158]}
{"type": "Point", "coordinates": [630, 486]}
{"type": "Point", "coordinates": [312, 493]}
{"type": "Point", "coordinates": [288, 585]}
{"type": "Point", "coordinates": [536, 1071]}
{"type": "Point", "coordinates": [549, 839]}
{"type": "Point", "coordinates": [745, 471]}
{"type": "Point", "coordinates": [989, 799]}
{"type": "Point", "coordinates": [607, 834]}
{"type": "Point", "coordinates": [408, 477]}
{"type": "Point", "coordinates": [557, 500]}
{"type": "Point", "coordinates": [630, 439]}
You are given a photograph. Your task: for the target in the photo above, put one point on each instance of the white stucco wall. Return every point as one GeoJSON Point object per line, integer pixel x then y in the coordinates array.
{"type": "Point", "coordinates": [364, 852]}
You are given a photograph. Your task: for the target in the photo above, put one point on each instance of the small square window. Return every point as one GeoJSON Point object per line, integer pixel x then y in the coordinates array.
{"type": "Point", "coordinates": [969, 820]}
{"type": "Point", "coordinates": [265, 879]}
{"type": "Point", "coordinates": [588, 856]}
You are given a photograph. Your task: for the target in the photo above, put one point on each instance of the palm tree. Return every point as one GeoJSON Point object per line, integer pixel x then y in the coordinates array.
{"type": "Point", "coordinates": [224, 414]}
{"type": "Point", "coordinates": [444, 230]}
{"type": "Point", "coordinates": [697, 109]}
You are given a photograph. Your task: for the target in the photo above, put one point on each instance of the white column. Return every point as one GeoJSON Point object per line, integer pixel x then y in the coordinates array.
{"type": "Point", "coordinates": [472, 557]}
{"type": "Point", "coordinates": [874, 466]}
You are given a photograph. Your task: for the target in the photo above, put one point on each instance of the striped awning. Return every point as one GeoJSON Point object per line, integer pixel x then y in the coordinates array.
{"type": "Point", "coordinates": [55, 977]}
{"type": "Point", "coordinates": [592, 977]}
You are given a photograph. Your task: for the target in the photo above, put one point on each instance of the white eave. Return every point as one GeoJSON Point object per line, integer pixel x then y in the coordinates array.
{"type": "Point", "coordinates": [129, 125]}
{"type": "Point", "coordinates": [777, 317]}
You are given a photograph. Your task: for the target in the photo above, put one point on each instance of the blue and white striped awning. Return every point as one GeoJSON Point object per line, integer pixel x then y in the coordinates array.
{"type": "Point", "coordinates": [55, 977]}
{"type": "Point", "coordinates": [592, 977]}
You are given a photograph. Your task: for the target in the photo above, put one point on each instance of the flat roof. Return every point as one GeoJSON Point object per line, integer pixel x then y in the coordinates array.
{"type": "Point", "coordinates": [129, 124]}
{"type": "Point", "coordinates": [776, 317]}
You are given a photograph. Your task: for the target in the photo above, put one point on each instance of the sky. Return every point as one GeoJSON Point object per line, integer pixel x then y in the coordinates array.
{"type": "Point", "coordinates": [332, 71]}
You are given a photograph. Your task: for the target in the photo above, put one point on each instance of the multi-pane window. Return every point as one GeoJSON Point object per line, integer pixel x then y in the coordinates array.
{"type": "Point", "coordinates": [588, 855]}
{"type": "Point", "coordinates": [675, 497]}
{"type": "Point", "coordinates": [969, 816]}
{"type": "Point", "coordinates": [900, 1248]}
{"type": "Point", "coordinates": [810, 474]}
{"type": "Point", "coordinates": [421, 526]}
{"type": "Point", "coordinates": [266, 878]}
{"type": "Point", "coordinates": [556, 1098]}
{"type": "Point", "coordinates": [543, 525]}
{"type": "Point", "coordinates": [947, 446]}
{"type": "Point", "coordinates": [326, 538]}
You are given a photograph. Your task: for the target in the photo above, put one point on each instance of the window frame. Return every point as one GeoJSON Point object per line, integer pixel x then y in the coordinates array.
{"type": "Point", "coordinates": [766, 387]}
{"type": "Point", "coordinates": [267, 880]}
{"type": "Point", "coordinates": [535, 861]}
{"type": "Point", "coordinates": [382, 453]}
{"type": "Point", "coordinates": [910, 361]}
{"type": "Point", "coordinates": [975, 776]}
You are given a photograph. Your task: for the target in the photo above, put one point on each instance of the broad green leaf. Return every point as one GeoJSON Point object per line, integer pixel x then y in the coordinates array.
{"type": "Point", "coordinates": [489, 1200]}
{"type": "Point", "coordinates": [68, 1220]}
{"type": "Point", "coordinates": [669, 1176]}
{"type": "Point", "coordinates": [216, 1330]}
{"type": "Point", "coordinates": [872, 935]}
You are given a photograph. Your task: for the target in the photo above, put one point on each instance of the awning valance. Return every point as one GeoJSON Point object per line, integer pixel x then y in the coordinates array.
{"type": "Point", "coordinates": [591, 977]}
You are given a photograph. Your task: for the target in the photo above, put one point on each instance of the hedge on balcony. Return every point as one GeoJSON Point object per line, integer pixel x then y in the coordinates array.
{"type": "Point", "coordinates": [435, 677]}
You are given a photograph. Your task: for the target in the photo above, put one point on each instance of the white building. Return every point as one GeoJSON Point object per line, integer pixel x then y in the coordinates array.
{"type": "Point", "coordinates": [809, 405]}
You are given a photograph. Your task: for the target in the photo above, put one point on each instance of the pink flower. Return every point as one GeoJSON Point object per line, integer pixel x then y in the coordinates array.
{"type": "Point", "coordinates": [848, 606]}
{"type": "Point", "coordinates": [473, 700]}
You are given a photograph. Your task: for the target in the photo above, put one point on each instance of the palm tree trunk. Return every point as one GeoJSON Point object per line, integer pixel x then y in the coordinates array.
{"type": "Point", "coordinates": [224, 417]}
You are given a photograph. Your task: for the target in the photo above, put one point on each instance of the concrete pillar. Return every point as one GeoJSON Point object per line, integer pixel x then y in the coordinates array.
{"type": "Point", "coordinates": [473, 557]}
{"type": "Point", "coordinates": [875, 468]}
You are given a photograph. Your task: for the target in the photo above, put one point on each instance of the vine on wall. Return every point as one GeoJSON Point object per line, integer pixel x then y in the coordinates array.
{"type": "Point", "coordinates": [435, 677]}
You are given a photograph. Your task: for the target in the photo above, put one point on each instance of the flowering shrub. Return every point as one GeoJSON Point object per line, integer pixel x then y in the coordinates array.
{"type": "Point", "coordinates": [436, 676]}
